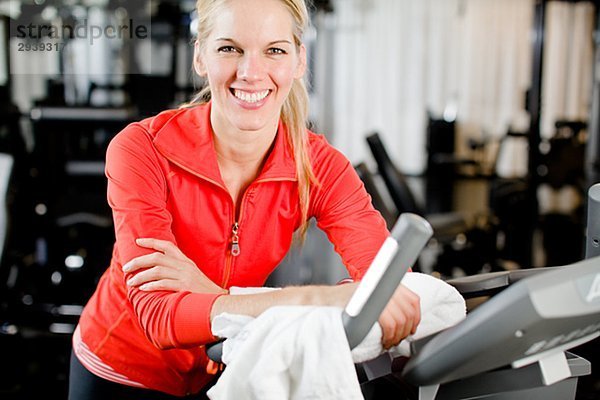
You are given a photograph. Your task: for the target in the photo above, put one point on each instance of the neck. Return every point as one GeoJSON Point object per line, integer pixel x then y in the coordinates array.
{"type": "Point", "coordinates": [242, 149]}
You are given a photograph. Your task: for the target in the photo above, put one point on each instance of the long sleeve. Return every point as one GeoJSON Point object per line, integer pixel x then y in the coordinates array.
{"type": "Point", "coordinates": [343, 210]}
{"type": "Point", "coordinates": [137, 194]}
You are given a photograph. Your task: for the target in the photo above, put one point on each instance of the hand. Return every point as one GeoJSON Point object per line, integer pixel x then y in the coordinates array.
{"type": "Point", "coordinates": [400, 317]}
{"type": "Point", "coordinates": [167, 269]}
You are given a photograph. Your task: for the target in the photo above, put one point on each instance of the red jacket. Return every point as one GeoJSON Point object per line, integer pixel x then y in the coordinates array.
{"type": "Point", "coordinates": [164, 183]}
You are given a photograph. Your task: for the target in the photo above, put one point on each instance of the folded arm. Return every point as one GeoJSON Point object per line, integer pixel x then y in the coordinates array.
{"type": "Point", "coordinates": [168, 269]}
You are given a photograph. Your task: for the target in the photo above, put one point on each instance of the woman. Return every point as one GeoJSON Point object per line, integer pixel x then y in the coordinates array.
{"type": "Point", "coordinates": [208, 197]}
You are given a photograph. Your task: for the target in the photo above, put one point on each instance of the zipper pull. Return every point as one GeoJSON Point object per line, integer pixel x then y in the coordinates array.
{"type": "Point", "coordinates": [235, 247]}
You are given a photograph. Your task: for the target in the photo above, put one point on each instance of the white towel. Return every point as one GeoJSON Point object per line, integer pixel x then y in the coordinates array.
{"type": "Point", "coordinates": [442, 306]}
{"type": "Point", "coordinates": [288, 352]}
{"type": "Point", "coordinates": [301, 352]}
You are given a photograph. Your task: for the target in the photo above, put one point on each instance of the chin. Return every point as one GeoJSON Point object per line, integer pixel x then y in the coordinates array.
{"type": "Point", "coordinates": [252, 124]}
{"type": "Point", "coordinates": [250, 127]}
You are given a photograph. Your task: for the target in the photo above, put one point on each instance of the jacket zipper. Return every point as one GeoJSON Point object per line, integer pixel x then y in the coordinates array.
{"type": "Point", "coordinates": [235, 239]}
{"type": "Point", "coordinates": [234, 248]}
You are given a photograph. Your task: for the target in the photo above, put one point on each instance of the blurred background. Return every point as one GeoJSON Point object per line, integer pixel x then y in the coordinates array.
{"type": "Point", "coordinates": [482, 115]}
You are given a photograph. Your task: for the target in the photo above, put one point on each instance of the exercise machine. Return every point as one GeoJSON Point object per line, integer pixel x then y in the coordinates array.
{"type": "Point", "coordinates": [394, 258]}
{"type": "Point", "coordinates": [515, 345]}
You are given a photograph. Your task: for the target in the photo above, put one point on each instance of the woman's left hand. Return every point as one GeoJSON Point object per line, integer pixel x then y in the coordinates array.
{"type": "Point", "coordinates": [400, 317]}
{"type": "Point", "coordinates": [167, 269]}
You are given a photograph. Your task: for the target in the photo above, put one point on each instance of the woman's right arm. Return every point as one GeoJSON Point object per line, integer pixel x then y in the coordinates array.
{"type": "Point", "coordinates": [169, 269]}
{"type": "Point", "coordinates": [137, 194]}
{"type": "Point", "coordinates": [255, 304]}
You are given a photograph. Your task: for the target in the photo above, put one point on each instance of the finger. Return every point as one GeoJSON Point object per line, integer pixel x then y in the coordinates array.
{"type": "Point", "coordinates": [401, 331]}
{"type": "Point", "coordinates": [164, 246]}
{"type": "Point", "coordinates": [416, 319]}
{"type": "Point", "coordinates": [386, 339]}
{"type": "Point", "coordinates": [148, 275]}
{"type": "Point", "coordinates": [388, 322]}
{"type": "Point", "coordinates": [163, 284]}
{"type": "Point", "coordinates": [410, 304]}
{"type": "Point", "coordinates": [413, 309]}
{"type": "Point", "coordinates": [388, 328]}
{"type": "Point", "coordinates": [151, 274]}
{"type": "Point", "coordinates": [145, 261]}
{"type": "Point", "coordinates": [405, 327]}
{"type": "Point", "coordinates": [407, 320]}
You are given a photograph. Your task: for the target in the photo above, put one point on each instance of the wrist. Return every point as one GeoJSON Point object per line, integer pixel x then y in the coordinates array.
{"type": "Point", "coordinates": [336, 296]}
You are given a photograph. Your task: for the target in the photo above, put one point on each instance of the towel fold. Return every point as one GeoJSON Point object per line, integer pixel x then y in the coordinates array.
{"type": "Point", "coordinates": [288, 352]}
{"type": "Point", "coordinates": [442, 306]}
{"type": "Point", "coordinates": [301, 352]}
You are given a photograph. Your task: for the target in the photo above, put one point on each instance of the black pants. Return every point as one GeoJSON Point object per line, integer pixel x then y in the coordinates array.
{"type": "Point", "coordinates": [83, 385]}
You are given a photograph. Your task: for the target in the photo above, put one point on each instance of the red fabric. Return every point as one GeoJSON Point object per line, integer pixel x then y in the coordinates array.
{"type": "Point", "coordinates": [164, 183]}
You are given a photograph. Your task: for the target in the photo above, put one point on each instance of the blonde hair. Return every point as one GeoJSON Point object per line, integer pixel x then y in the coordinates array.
{"type": "Point", "coordinates": [294, 112]}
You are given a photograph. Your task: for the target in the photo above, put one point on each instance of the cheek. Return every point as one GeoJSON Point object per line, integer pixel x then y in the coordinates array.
{"type": "Point", "coordinates": [283, 76]}
{"type": "Point", "coordinates": [218, 75]}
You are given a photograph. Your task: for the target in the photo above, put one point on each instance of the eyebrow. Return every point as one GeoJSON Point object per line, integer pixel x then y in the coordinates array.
{"type": "Point", "coordinates": [226, 39]}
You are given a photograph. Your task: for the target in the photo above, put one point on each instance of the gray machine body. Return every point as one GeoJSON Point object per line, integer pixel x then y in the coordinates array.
{"type": "Point", "coordinates": [592, 241]}
{"type": "Point", "coordinates": [553, 310]}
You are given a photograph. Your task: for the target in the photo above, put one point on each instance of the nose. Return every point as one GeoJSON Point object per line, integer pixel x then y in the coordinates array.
{"type": "Point", "coordinates": [250, 68]}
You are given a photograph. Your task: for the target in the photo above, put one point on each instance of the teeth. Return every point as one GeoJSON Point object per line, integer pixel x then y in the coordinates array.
{"type": "Point", "coordinates": [250, 97]}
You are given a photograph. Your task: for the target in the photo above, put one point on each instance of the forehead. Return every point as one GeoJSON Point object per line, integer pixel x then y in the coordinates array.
{"type": "Point", "coordinates": [262, 20]}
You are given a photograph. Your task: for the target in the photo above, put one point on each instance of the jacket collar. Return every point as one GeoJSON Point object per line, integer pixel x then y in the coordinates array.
{"type": "Point", "coordinates": [186, 139]}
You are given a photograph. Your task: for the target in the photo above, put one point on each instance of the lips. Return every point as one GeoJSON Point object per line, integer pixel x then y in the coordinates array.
{"type": "Point", "coordinates": [250, 97]}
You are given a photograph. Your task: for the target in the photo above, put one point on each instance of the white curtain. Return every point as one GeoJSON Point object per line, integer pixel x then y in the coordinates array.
{"type": "Point", "coordinates": [395, 60]}
{"type": "Point", "coordinates": [3, 59]}
{"type": "Point", "coordinates": [567, 84]}
{"type": "Point", "coordinates": [568, 60]}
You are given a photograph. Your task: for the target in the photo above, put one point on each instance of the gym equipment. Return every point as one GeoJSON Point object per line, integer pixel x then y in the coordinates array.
{"type": "Point", "coordinates": [467, 242]}
{"type": "Point", "coordinates": [396, 255]}
{"type": "Point", "coordinates": [447, 224]}
{"type": "Point", "coordinates": [366, 176]}
{"type": "Point", "coordinates": [592, 243]}
{"type": "Point", "coordinates": [6, 166]}
{"type": "Point", "coordinates": [514, 345]}
{"type": "Point", "coordinates": [518, 338]}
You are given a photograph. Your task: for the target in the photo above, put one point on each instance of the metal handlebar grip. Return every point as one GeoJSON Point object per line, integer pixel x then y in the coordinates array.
{"type": "Point", "coordinates": [398, 253]}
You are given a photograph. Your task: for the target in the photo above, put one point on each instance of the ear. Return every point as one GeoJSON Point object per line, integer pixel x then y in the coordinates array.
{"type": "Point", "coordinates": [199, 65]}
{"type": "Point", "coordinates": [301, 67]}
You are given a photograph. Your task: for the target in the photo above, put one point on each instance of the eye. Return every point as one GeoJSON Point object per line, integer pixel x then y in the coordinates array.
{"type": "Point", "coordinates": [276, 51]}
{"type": "Point", "coordinates": [226, 49]}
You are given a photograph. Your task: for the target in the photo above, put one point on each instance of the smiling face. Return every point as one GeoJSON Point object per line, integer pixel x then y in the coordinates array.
{"type": "Point", "coordinates": [250, 59]}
